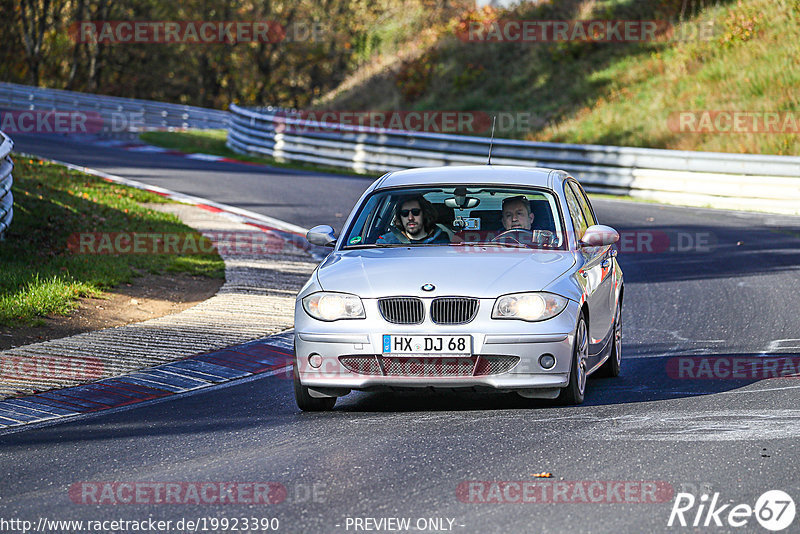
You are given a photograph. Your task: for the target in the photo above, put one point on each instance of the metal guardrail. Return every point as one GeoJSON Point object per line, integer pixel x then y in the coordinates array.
{"type": "Point", "coordinates": [735, 181]}
{"type": "Point", "coordinates": [119, 115]}
{"type": "Point", "coordinates": [6, 198]}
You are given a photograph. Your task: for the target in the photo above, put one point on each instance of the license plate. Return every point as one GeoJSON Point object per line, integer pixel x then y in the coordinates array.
{"type": "Point", "coordinates": [450, 345]}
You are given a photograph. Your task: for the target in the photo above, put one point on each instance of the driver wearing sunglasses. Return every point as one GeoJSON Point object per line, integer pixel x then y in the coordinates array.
{"type": "Point", "coordinates": [414, 222]}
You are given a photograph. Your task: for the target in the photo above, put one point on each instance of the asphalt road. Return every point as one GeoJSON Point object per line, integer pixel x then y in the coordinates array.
{"type": "Point", "coordinates": [732, 294]}
{"type": "Point", "coordinates": [285, 194]}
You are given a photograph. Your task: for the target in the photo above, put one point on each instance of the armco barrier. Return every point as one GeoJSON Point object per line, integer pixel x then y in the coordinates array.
{"type": "Point", "coordinates": [6, 198]}
{"type": "Point", "coordinates": [734, 181]}
{"type": "Point", "coordinates": [119, 115]}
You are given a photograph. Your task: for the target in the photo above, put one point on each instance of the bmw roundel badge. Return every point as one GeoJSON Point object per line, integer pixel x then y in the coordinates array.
{"type": "Point", "coordinates": [428, 287]}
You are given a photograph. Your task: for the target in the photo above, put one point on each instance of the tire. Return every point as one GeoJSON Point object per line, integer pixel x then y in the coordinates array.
{"type": "Point", "coordinates": [306, 402]}
{"type": "Point", "coordinates": [613, 364]}
{"type": "Point", "coordinates": [574, 392]}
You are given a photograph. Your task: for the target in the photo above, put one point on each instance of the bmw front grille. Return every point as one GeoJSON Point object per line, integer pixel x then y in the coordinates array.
{"type": "Point", "coordinates": [453, 310]}
{"type": "Point", "coordinates": [402, 310]}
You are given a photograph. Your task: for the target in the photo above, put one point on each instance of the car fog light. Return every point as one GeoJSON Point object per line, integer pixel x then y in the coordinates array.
{"type": "Point", "coordinates": [315, 360]}
{"type": "Point", "coordinates": [547, 361]}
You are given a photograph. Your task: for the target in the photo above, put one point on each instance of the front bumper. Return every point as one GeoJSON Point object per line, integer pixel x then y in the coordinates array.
{"type": "Point", "coordinates": [333, 343]}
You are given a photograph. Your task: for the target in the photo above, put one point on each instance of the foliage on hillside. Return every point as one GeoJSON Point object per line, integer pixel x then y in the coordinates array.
{"type": "Point", "coordinates": [718, 55]}
{"type": "Point", "coordinates": [316, 45]}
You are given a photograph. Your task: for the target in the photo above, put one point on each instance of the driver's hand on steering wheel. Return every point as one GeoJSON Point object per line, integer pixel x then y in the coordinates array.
{"type": "Point", "coordinates": [521, 236]}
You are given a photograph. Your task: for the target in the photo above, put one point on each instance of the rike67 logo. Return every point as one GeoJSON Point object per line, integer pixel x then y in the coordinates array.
{"type": "Point", "coordinates": [774, 510]}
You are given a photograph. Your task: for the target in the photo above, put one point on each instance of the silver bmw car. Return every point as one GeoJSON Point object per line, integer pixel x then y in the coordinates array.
{"type": "Point", "coordinates": [480, 277]}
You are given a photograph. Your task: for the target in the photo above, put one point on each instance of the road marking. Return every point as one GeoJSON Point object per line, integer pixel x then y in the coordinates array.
{"type": "Point", "coordinates": [720, 425]}
{"type": "Point", "coordinates": [205, 157]}
{"type": "Point", "coordinates": [780, 344]}
{"type": "Point", "coordinates": [759, 390]}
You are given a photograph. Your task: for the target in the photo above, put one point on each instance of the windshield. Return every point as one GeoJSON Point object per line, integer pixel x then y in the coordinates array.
{"type": "Point", "coordinates": [477, 215]}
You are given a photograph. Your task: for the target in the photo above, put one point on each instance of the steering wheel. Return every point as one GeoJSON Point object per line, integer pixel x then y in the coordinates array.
{"type": "Point", "coordinates": [520, 236]}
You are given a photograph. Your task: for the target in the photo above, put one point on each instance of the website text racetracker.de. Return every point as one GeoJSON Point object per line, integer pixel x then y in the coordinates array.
{"type": "Point", "coordinates": [430, 121]}
{"type": "Point", "coordinates": [568, 491]}
{"type": "Point", "coordinates": [107, 526]}
{"type": "Point", "coordinates": [127, 493]}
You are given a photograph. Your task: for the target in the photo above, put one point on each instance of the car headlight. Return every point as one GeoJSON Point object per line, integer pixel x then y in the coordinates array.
{"type": "Point", "coordinates": [528, 306]}
{"type": "Point", "coordinates": [333, 306]}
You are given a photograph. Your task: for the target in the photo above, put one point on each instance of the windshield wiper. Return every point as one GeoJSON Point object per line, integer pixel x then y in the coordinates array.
{"type": "Point", "coordinates": [488, 244]}
{"type": "Point", "coordinates": [377, 245]}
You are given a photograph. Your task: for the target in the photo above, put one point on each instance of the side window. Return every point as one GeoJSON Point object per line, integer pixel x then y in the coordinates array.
{"type": "Point", "coordinates": [372, 221]}
{"type": "Point", "coordinates": [575, 212]}
{"type": "Point", "coordinates": [584, 202]}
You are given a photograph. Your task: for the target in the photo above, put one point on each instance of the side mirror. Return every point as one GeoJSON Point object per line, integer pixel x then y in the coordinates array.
{"type": "Point", "coordinates": [599, 235]}
{"type": "Point", "coordinates": [321, 235]}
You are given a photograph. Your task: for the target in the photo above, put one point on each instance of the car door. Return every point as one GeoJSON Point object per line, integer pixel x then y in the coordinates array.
{"type": "Point", "coordinates": [606, 302]}
{"type": "Point", "coordinates": [590, 276]}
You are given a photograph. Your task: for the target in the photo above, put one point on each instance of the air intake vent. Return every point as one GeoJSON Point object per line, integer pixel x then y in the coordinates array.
{"type": "Point", "coordinates": [402, 310]}
{"type": "Point", "coordinates": [428, 366]}
{"type": "Point", "coordinates": [425, 367]}
{"type": "Point", "coordinates": [453, 310]}
{"type": "Point", "coordinates": [362, 365]}
{"type": "Point", "coordinates": [495, 365]}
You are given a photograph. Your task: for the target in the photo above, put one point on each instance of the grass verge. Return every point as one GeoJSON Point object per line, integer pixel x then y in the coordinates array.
{"type": "Point", "coordinates": [213, 142]}
{"type": "Point", "coordinates": [42, 276]}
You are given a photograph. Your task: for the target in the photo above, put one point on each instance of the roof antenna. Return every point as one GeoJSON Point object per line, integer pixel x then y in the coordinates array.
{"type": "Point", "coordinates": [491, 141]}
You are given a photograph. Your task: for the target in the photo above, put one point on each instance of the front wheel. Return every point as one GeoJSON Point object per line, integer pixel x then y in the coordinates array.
{"type": "Point", "coordinates": [306, 402]}
{"type": "Point", "coordinates": [574, 392]}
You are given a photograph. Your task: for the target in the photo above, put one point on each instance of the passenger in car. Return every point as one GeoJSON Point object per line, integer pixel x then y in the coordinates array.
{"type": "Point", "coordinates": [414, 222]}
{"type": "Point", "coordinates": [517, 213]}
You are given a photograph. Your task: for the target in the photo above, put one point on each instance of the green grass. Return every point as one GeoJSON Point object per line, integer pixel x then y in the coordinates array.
{"type": "Point", "coordinates": [213, 142]}
{"type": "Point", "coordinates": [193, 142]}
{"type": "Point", "coordinates": [734, 71]}
{"type": "Point", "coordinates": [42, 275]}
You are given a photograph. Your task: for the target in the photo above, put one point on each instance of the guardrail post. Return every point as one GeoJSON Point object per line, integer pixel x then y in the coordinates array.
{"type": "Point", "coordinates": [156, 114]}
{"type": "Point", "coordinates": [734, 181]}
